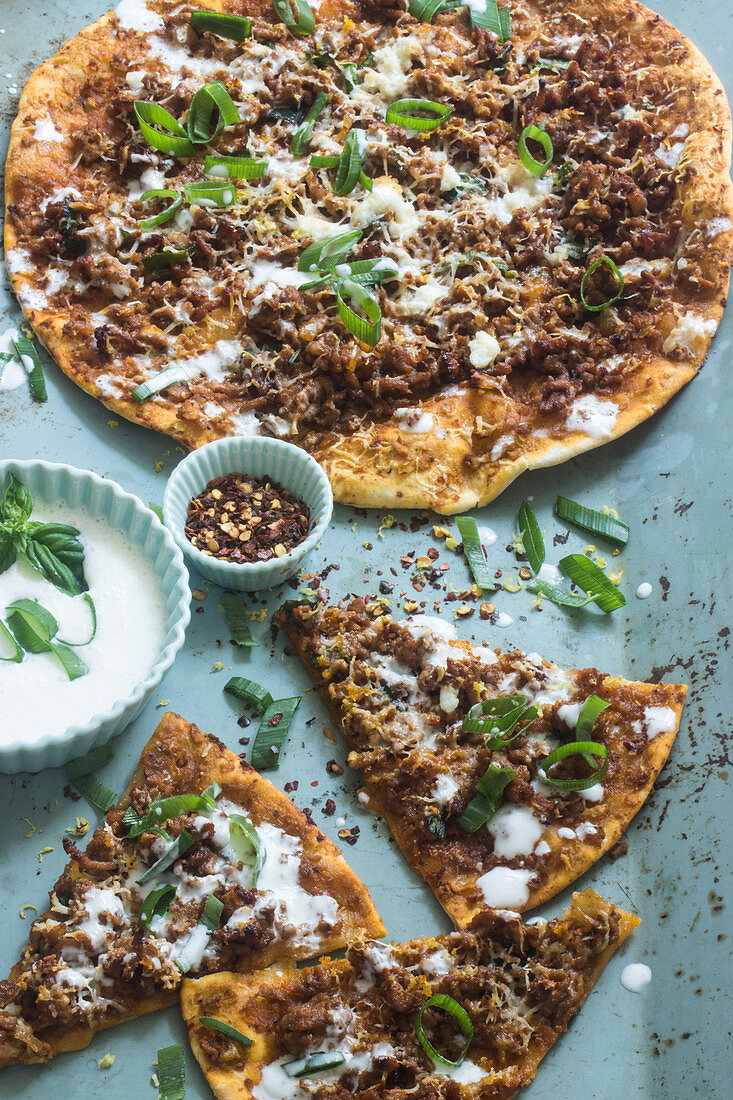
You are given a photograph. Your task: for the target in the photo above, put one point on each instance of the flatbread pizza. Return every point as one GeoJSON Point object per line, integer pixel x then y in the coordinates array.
{"type": "Point", "coordinates": [348, 1027]}
{"type": "Point", "coordinates": [433, 254]}
{"type": "Point", "coordinates": [203, 865]}
{"type": "Point", "coordinates": [474, 756]}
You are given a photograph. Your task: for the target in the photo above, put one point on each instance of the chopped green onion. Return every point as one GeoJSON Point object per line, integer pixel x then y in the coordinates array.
{"type": "Point", "coordinates": [429, 116]}
{"type": "Point", "coordinates": [489, 793]}
{"type": "Point", "coordinates": [271, 734]}
{"type": "Point", "coordinates": [348, 170]}
{"type": "Point", "coordinates": [369, 329]}
{"type": "Point", "coordinates": [592, 707]}
{"type": "Point", "coordinates": [163, 809]}
{"type": "Point", "coordinates": [174, 851]}
{"type": "Point", "coordinates": [558, 595]}
{"type": "Point", "coordinates": [249, 692]}
{"type": "Point", "coordinates": [247, 844]}
{"type": "Point", "coordinates": [225, 1029]}
{"type": "Point", "coordinates": [235, 168]}
{"type": "Point", "coordinates": [79, 773]}
{"type": "Point", "coordinates": [301, 137]}
{"type": "Point", "coordinates": [425, 10]}
{"type": "Point", "coordinates": [584, 283]}
{"type": "Point", "coordinates": [158, 261]}
{"type": "Point", "coordinates": [77, 645]}
{"type": "Point", "coordinates": [190, 953]}
{"type": "Point", "coordinates": [235, 27]}
{"type": "Point", "coordinates": [575, 748]}
{"type": "Point", "coordinates": [586, 575]}
{"type": "Point", "coordinates": [302, 22]}
{"type": "Point", "coordinates": [323, 254]}
{"type": "Point", "coordinates": [169, 211]}
{"type": "Point", "coordinates": [510, 715]}
{"type": "Point", "coordinates": [538, 134]}
{"type": "Point", "coordinates": [17, 655]}
{"type": "Point", "coordinates": [212, 97]}
{"type": "Point", "coordinates": [161, 130]}
{"type": "Point", "coordinates": [36, 379]}
{"type": "Point", "coordinates": [314, 1063]}
{"type": "Point", "coordinates": [210, 193]}
{"type": "Point", "coordinates": [212, 911]}
{"type": "Point", "coordinates": [474, 553]}
{"type": "Point", "coordinates": [534, 544]}
{"type": "Point", "coordinates": [555, 63]}
{"type": "Point", "coordinates": [156, 904]}
{"type": "Point", "coordinates": [596, 523]}
{"type": "Point", "coordinates": [172, 1073]}
{"type": "Point", "coordinates": [171, 376]}
{"type": "Point", "coordinates": [237, 620]}
{"type": "Point", "coordinates": [350, 73]}
{"type": "Point", "coordinates": [459, 1014]}
{"type": "Point", "coordinates": [493, 18]}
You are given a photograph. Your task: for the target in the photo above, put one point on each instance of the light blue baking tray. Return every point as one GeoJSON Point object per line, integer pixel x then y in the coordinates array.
{"type": "Point", "coordinates": [669, 479]}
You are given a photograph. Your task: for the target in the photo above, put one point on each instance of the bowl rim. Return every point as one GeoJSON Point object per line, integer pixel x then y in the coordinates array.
{"type": "Point", "coordinates": [205, 562]}
{"type": "Point", "coordinates": [179, 617]}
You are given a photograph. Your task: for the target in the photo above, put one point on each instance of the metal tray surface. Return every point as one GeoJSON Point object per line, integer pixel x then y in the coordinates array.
{"type": "Point", "coordinates": [668, 479]}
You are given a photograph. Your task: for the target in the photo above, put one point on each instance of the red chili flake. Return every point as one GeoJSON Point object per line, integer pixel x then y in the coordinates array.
{"type": "Point", "coordinates": [243, 721]}
{"type": "Point", "coordinates": [276, 719]}
{"type": "Point", "coordinates": [330, 808]}
{"type": "Point", "coordinates": [246, 519]}
{"type": "Point", "coordinates": [334, 768]}
{"type": "Point", "coordinates": [73, 795]}
{"type": "Point", "coordinates": [433, 553]}
{"type": "Point", "coordinates": [292, 786]}
{"type": "Point", "coordinates": [314, 783]}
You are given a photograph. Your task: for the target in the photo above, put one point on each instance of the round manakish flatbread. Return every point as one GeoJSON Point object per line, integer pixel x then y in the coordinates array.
{"type": "Point", "coordinates": [488, 361]}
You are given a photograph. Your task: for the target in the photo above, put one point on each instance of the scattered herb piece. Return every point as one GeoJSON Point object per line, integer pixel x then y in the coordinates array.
{"type": "Point", "coordinates": [271, 734]}
{"type": "Point", "coordinates": [474, 552]}
{"type": "Point", "coordinates": [419, 115]}
{"type": "Point", "coordinates": [489, 793]}
{"type": "Point", "coordinates": [172, 1072]}
{"type": "Point", "coordinates": [301, 22]}
{"type": "Point", "coordinates": [25, 349]}
{"type": "Point", "coordinates": [613, 297]}
{"type": "Point", "coordinates": [249, 692]}
{"type": "Point", "coordinates": [447, 1004]}
{"type": "Point", "coordinates": [225, 1029]}
{"type": "Point", "coordinates": [235, 27]}
{"type": "Point", "coordinates": [593, 581]}
{"type": "Point", "coordinates": [538, 134]}
{"type": "Point", "coordinates": [534, 544]}
{"type": "Point", "coordinates": [596, 523]}
{"type": "Point", "coordinates": [575, 748]}
{"type": "Point", "coordinates": [237, 621]}
{"type": "Point", "coordinates": [314, 1063]}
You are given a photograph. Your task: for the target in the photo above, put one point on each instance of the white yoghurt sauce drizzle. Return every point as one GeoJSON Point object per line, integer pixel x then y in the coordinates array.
{"type": "Point", "coordinates": [635, 976]}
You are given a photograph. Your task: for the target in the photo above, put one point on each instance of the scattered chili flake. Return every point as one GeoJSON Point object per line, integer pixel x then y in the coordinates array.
{"type": "Point", "coordinates": [334, 768]}
{"type": "Point", "coordinates": [292, 786]}
{"type": "Point", "coordinates": [525, 573]}
{"type": "Point", "coordinates": [486, 610]}
{"type": "Point", "coordinates": [385, 587]}
{"type": "Point", "coordinates": [243, 721]}
{"type": "Point", "coordinates": [246, 519]}
{"type": "Point", "coordinates": [69, 793]}
{"type": "Point", "coordinates": [330, 808]}
{"type": "Point", "coordinates": [349, 835]}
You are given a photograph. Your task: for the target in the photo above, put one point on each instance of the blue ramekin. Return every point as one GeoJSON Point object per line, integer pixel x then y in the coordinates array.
{"type": "Point", "coordinates": [106, 500]}
{"type": "Point", "coordinates": [255, 456]}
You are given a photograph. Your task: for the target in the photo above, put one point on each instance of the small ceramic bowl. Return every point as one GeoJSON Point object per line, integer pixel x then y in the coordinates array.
{"type": "Point", "coordinates": [260, 457]}
{"type": "Point", "coordinates": [106, 500]}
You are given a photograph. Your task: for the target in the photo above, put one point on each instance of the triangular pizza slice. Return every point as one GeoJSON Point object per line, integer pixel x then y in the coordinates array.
{"type": "Point", "coordinates": [202, 866]}
{"type": "Point", "coordinates": [469, 1013]}
{"type": "Point", "coordinates": [473, 756]}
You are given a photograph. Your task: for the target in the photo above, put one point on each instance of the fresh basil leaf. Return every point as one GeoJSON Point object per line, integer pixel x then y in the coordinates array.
{"type": "Point", "coordinates": [59, 557]}
{"type": "Point", "coordinates": [17, 503]}
{"type": "Point", "coordinates": [8, 553]}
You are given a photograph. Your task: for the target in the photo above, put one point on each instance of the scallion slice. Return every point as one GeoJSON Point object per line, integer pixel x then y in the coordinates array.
{"type": "Point", "coordinates": [420, 115]}
{"type": "Point", "coordinates": [592, 707]}
{"type": "Point", "coordinates": [271, 734]}
{"type": "Point", "coordinates": [163, 809]}
{"type": "Point", "coordinates": [348, 169]}
{"type": "Point", "coordinates": [235, 168]}
{"type": "Point", "coordinates": [237, 620]}
{"type": "Point", "coordinates": [425, 10]}
{"type": "Point", "coordinates": [608, 262]}
{"type": "Point", "coordinates": [210, 193]}
{"type": "Point", "coordinates": [36, 378]}
{"type": "Point", "coordinates": [323, 254]}
{"type": "Point", "coordinates": [171, 376]}
{"type": "Point", "coordinates": [534, 544]}
{"type": "Point", "coordinates": [161, 130]}
{"type": "Point", "coordinates": [586, 575]}
{"type": "Point", "coordinates": [92, 760]}
{"type": "Point", "coordinates": [474, 553]}
{"type": "Point", "coordinates": [575, 748]}
{"type": "Point", "coordinates": [301, 22]}
{"type": "Point", "coordinates": [17, 655]}
{"type": "Point", "coordinates": [174, 851]}
{"type": "Point", "coordinates": [225, 1029]}
{"type": "Point", "coordinates": [165, 215]}
{"type": "Point", "coordinates": [314, 1063]}
{"type": "Point", "coordinates": [530, 162]}
{"type": "Point", "coordinates": [156, 904]}
{"type": "Point", "coordinates": [558, 595]}
{"type": "Point", "coordinates": [212, 97]}
{"type": "Point", "coordinates": [235, 27]}
{"type": "Point", "coordinates": [596, 523]}
{"type": "Point", "coordinates": [79, 773]}
{"type": "Point", "coordinates": [447, 1004]}
{"type": "Point", "coordinates": [249, 692]}
{"type": "Point", "coordinates": [211, 914]}
{"type": "Point", "coordinates": [501, 720]}
{"type": "Point", "coordinates": [368, 272]}
{"type": "Point", "coordinates": [489, 793]}
{"type": "Point", "coordinates": [492, 18]}
{"type": "Point", "coordinates": [158, 261]}
{"type": "Point", "coordinates": [172, 1072]}
{"type": "Point", "coordinates": [247, 844]}
{"type": "Point", "coordinates": [367, 329]}
{"type": "Point", "coordinates": [301, 137]}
